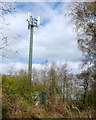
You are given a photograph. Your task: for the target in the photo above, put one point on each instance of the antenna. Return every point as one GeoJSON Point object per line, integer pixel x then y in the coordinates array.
{"type": "Point", "coordinates": [28, 19]}
{"type": "Point", "coordinates": [38, 23]}
{"type": "Point", "coordinates": [28, 15]}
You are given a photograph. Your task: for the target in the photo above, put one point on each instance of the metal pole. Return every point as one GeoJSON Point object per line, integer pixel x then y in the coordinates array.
{"type": "Point", "coordinates": [30, 53]}
{"type": "Point", "coordinates": [32, 22]}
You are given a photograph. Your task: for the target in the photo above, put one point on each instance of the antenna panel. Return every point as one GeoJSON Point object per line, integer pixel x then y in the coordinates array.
{"type": "Point", "coordinates": [38, 22]}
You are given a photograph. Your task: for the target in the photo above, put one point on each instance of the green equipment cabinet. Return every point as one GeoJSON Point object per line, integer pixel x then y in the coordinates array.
{"type": "Point", "coordinates": [42, 98]}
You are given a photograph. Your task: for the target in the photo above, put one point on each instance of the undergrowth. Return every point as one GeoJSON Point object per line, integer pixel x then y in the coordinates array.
{"type": "Point", "coordinates": [18, 102]}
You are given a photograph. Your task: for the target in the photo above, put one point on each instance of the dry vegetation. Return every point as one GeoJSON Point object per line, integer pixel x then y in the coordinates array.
{"type": "Point", "coordinates": [18, 101]}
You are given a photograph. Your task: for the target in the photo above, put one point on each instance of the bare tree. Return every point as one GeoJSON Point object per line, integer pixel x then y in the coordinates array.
{"type": "Point", "coordinates": [63, 76]}
{"type": "Point", "coordinates": [84, 77]}
{"type": "Point", "coordinates": [52, 79]}
{"type": "Point", "coordinates": [35, 76]}
{"type": "Point", "coordinates": [84, 17]}
{"type": "Point", "coordinates": [45, 74]}
{"type": "Point", "coordinates": [5, 8]}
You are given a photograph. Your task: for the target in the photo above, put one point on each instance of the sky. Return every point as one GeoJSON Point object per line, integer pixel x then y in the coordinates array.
{"type": "Point", "coordinates": [54, 40]}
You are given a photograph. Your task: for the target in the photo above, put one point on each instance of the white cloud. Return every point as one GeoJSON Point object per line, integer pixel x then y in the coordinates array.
{"type": "Point", "coordinates": [14, 67]}
{"type": "Point", "coordinates": [54, 41]}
